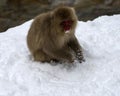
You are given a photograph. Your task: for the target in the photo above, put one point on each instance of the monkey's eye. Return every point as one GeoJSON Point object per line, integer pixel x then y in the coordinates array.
{"type": "Point", "coordinates": [66, 22]}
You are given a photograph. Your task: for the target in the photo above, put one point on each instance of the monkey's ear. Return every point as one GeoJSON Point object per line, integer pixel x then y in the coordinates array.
{"type": "Point", "coordinates": [52, 14]}
{"type": "Point", "coordinates": [73, 9]}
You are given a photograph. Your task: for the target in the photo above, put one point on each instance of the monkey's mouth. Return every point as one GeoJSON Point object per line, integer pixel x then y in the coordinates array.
{"type": "Point", "coordinates": [66, 24]}
{"type": "Point", "coordinates": [67, 28]}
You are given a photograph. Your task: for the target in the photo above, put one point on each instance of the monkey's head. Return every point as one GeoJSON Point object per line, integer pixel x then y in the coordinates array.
{"type": "Point", "coordinates": [65, 19]}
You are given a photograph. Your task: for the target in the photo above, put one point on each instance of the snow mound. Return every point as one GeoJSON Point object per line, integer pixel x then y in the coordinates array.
{"type": "Point", "coordinates": [98, 76]}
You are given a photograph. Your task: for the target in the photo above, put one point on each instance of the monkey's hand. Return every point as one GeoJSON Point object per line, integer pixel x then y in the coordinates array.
{"type": "Point", "coordinates": [80, 56]}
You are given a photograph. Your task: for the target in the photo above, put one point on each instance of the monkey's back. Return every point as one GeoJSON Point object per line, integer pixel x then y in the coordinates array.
{"type": "Point", "coordinates": [39, 31]}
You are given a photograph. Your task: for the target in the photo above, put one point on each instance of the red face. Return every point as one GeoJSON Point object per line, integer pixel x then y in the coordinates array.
{"type": "Point", "coordinates": [66, 24]}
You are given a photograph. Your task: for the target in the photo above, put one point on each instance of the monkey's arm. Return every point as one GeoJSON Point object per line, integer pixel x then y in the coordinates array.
{"type": "Point", "coordinates": [75, 46]}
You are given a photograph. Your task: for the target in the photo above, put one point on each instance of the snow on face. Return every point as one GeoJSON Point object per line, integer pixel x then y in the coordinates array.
{"type": "Point", "coordinates": [98, 76]}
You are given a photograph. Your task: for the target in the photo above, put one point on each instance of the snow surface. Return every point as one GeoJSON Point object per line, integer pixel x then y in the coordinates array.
{"type": "Point", "coordinates": [98, 76]}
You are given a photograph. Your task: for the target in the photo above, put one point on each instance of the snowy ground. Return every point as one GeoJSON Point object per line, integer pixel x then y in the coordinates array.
{"type": "Point", "coordinates": [98, 76]}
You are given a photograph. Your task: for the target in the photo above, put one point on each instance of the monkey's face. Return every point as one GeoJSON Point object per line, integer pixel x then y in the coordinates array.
{"type": "Point", "coordinates": [65, 19]}
{"type": "Point", "coordinates": [66, 25]}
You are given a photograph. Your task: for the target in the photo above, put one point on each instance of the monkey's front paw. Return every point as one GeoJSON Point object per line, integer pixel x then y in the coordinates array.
{"type": "Point", "coordinates": [80, 58]}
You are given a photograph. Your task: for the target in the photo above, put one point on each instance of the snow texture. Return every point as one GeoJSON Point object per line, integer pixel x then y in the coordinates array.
{"type": "Point", "coordinates": [98, 76]}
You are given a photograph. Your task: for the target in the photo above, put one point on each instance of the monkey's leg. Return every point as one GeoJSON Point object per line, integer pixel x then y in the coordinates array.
{"type": "Point", "coordinates": [75, 46]}
{"type": "Point", "coordinates": [39, 55]}
{"type": "Point", "coordinates": [61, 55]}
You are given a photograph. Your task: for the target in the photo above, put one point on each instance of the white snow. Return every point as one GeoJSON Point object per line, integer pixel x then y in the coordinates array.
{"type": "Point", "coordinates": [98, 76]}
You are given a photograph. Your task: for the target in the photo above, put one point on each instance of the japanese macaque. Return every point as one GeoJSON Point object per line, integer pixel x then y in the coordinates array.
{"type": "Point", "coordinates": [51, 36]}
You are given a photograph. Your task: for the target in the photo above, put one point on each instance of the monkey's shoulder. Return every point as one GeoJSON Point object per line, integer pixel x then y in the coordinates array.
{"type": "Point", "coordinates": [43, 18]}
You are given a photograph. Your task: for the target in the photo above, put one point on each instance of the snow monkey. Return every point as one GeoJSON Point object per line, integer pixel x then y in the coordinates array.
{"type": "Point", "coordinates": [51, 36]}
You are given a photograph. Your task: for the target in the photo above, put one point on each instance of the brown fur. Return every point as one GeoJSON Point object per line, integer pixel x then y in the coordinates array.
{"type": "Point", "coordinates": [48, 41]}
